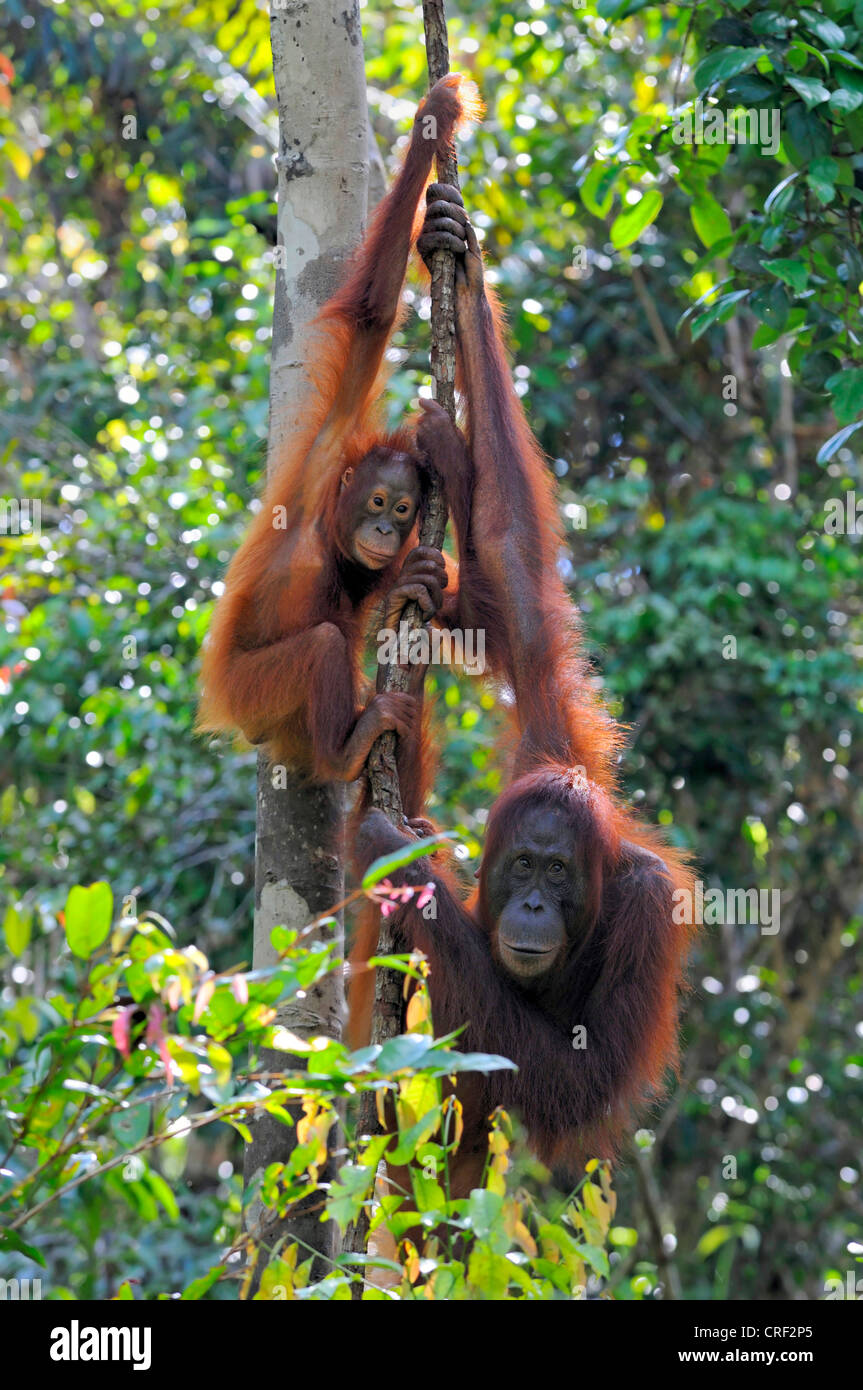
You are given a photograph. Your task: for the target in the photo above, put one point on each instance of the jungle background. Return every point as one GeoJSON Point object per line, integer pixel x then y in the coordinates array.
{"type": "Point", "coordinates": [690, 360]}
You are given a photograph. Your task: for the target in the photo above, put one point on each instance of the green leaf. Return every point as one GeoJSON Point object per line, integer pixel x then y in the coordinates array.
{"type": "Point", "coordinates": [10, 1240]}
{"type": "Point", "coordinates": [771, 306]}
{"type": "Point", "coordinates": [816, 367]}
{"type": "Point", "coordinates": [825, 168]}
{"type": "Point", "coordinates": [243, 1130]}
{"type": "Point", "coordinates": [843, 101]}
{"type": "Point", "coordinates": [725, 63]}
{"type": "Point", "coordinates": [629, 224]}
{"type": "Point", "coordinates": [490, 1272]}
{"type": "Point", "coordinates": [702, 299]}
{"type": "Point", "coordinates": [811, 89]}
{"type": "Point", "coordinates": [384, 866]}
{"type": "Point", "coordinates": [824, 192]}
{"type": "Point", "coordinates": [89, 912]}
{"type": "Point", "coordinates": [413, 1137]}
{"type": "Point", "coordinates": [829, 33]}
{"type": "Point", "coordinates": [474, 1061]}
{"type": "Point", "coordinates": [596, 1258]}
{"type": "Point", "coordinates": [131, 1126]}
{"type": "Point", "coordinates": [199, 1287]}
{"type": "Point", "coordinates": [17, 927]}
{"type": "Point", "coordinates": [621, 9]}
{"type": "Point", "coordinates": [163, 1194]}
{"type": "Point", "coordinates": [11, 212]}
{"type": "Point", "coordinates": [733, 33]}
{"type": "Point", "coordinates": [712, 1239]}
{"type": "Point", "coordinates": [597, 191]}
{"type": "Point", "coordinates": [749, 89]}
{"type": "Point", "coordinates": [796, 55]}
{"type": "Point", "coordinates": [835, 442]}
{"type": "Point", "coordinates": [407, 1050]}
{"type": "Point", "coordinates": [809, 136]}
{"type": "Point", "coordinates": [776, 193]}
{"type": "Point", "coordinates": [821, 177]}
{"type": "Point", "coordinates": [846, 388]}
{"type": "Point", "coordinates": [484, 1210]}
{"type": "Point", "coordinates": [711, 222]}
{"type": "Point", "coordinates": [719, 312]}
{"type": "Point", "coordinates": [793, 273]}
{"type": "Point", "coordinates": [768, 22]}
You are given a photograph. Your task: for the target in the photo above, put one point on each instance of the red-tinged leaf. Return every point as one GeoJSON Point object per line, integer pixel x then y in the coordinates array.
{"type": "Point", "coordinates": [173, 995]}
{"type": "Point", "coordinates": [166, 1060]}
{"type": "Point", "coordinates": [154, 1025]}
{"type": "Point", "coordinates": [240, 989]}
{"type": "Point", "coordinates": [383, 890]}
{"type": "Point", "coordinates": [121, 1029]}
{"type": "Point", "coordinates": [205, 994]}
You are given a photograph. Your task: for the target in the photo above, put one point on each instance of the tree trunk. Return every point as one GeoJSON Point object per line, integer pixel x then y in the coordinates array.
{"type": "Point", "coordinates": [323, 176]}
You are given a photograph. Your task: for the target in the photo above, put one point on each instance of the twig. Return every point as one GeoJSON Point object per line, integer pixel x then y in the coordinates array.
{"type": "Point", "coordinates": [653, 1206]}
{"type": "Point", "coordinates": [657, 327]}
{"type": "Point", "coordinates": [680, 60]}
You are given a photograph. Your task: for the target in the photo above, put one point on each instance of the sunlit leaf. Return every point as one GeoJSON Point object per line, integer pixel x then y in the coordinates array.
{"type": "Point", "coordinates": [88, 917]}
{"type": "Point", "coordinates": [629, 224]}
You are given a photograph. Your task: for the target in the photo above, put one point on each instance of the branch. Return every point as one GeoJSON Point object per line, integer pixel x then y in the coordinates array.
{"type": "Point", "coordinates": [389, 1001]}
{"type": "Point", "coordinates": [383, 775]}
{"type": "Point", "coordinates": [382, 770]}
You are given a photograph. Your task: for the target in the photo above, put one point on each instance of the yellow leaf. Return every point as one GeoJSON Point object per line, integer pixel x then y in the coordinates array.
{"type": "Point", "coordinates": [525, 1239]}
{"type": "Point", "coordinates": [411, 1261]}
{"type": "Point", "coordinates": [418, 1096]}
{"type": "Point", "coordinates": [495, 1182]}
{"type": "Point", "coordinates": [418, 1013]}
{"type": "Point", "coordinates": [19, 159]}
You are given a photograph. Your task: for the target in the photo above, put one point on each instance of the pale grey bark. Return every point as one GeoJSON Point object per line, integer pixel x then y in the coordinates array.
{"type": "Point", "coordinates": [377, 173]}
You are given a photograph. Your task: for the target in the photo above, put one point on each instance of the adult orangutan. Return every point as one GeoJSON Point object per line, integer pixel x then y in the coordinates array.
{"type": "Point", "coordinates": [338, 519]}
{"type": "Point", "coordinates": [566, 959]}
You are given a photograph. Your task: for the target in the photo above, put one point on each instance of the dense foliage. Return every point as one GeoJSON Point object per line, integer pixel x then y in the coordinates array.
{"type": "Point", "coordinates": [685, 325]}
